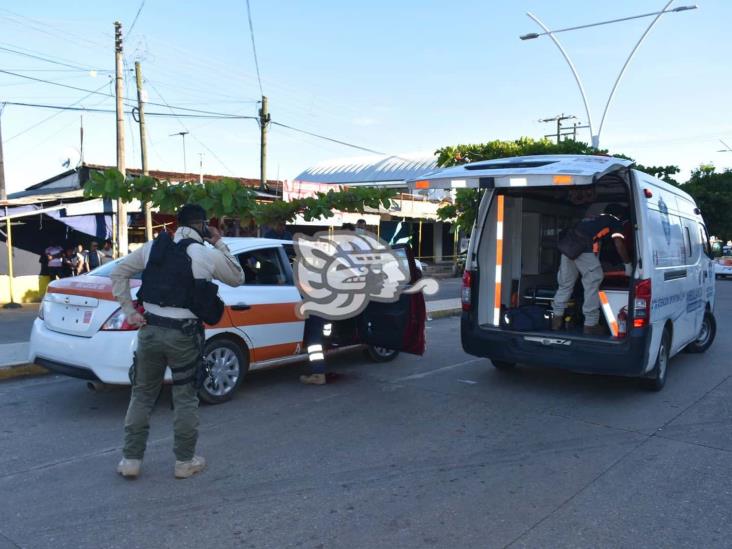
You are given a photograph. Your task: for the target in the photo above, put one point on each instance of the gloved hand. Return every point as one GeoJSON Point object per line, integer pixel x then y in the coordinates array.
{"type": "Point", "coordinates": [628, 269]}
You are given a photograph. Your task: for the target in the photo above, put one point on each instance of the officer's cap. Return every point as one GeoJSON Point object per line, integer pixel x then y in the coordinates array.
{"type": "Point", "coordinates": [191, 213]}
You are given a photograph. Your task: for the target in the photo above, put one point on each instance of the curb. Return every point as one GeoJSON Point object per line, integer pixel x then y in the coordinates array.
{"type": "Point", "coordinates": [21, 370]}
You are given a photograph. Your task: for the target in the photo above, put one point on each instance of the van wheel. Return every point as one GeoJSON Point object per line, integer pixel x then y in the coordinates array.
{"type": "Point", "coordinates": [503, 365]}
{"type": "Point", "coordinates": [657, 378]}
{"type": "Point", "coordinates": [706, 335]}
{"type": "Point", "coordinates": [228, 367]}
{"type": "Point", "coordinates": [381, 354]}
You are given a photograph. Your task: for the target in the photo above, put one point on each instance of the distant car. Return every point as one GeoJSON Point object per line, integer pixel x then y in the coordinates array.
{"type": "Point", "coordinates": [723, 267]}
{"type": "Point", "coordinates": [82, 332]}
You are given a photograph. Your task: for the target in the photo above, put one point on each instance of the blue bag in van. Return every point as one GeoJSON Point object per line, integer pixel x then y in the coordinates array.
{"type": "Point", "coordinates": [527, 318]}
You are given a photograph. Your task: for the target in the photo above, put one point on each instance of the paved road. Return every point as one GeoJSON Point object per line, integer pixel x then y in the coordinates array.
{"type": "Point", "coordinates": [439, 451]}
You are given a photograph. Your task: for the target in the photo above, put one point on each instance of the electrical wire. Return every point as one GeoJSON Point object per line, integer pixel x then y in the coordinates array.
{"type": "Point", "coordinates": [147, 113]}
{"type": "Point", "coordinates": [187, 130]}
{"type": "Point", "coordinates": [139, 10]}
{"type": "Point", "coordinates": [254, 47]}
{"type": "Point", "coordinates": [344, 143]}
{"type": "Point", "coordinates": [45, 59]}
{"type": "Point", "coordinates": [130, 102]}
{"type": "Point", "coordinates": [29, 128]}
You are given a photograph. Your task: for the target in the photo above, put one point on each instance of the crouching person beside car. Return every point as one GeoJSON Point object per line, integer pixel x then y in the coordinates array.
{"type": "Point", "coordinates": [178, 297]}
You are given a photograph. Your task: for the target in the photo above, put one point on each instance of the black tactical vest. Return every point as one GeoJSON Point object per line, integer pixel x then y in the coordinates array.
{"type": "Point", "coordinates": [168, 276]}
{"type": "Point", "coordinates": [168, 281]}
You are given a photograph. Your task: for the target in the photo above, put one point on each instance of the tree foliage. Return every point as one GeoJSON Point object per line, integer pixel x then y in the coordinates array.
{"type": "Point", "coordinates": [712, 192]}
{"type": "Point", "coordinates": [463, 211]}
{"type": "Point", "coordinates": [228, 198]}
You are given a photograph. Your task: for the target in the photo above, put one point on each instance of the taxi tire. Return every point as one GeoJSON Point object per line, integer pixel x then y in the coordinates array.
{"type": "Point", "coordinates": [242, 356]}
{"type": "Point", "coordinates": [380, 356]}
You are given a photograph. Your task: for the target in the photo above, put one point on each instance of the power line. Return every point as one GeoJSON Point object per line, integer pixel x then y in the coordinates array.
{"type": "Point", "coordinates": [191, 134]}
{"type": "Point", "coordinates": [45, 59]}
{"type": "Point", "coordinates": [29, 128]}
{"type": "Point", "coordinates": [344, 143]}
{"type": "Point", "coordinates": [170, 115]}
{"type": "Point", "coordinates": [130, 102]}
{"type": "Point", "coordinates": [132, 26]}
{"type": "Point", "coordinates": [254, 47]}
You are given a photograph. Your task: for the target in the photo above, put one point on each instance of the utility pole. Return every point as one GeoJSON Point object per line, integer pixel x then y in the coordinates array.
{"type": "Point", "coordinates": [563, 131]}
{"type": "Point", "coordinates": [264, 119]}
{"type": "Point", "coordinates": [200, 168]}
{"type": "Point", "coordinates": [3, 190]}
{"type": "Point", "coordinates": [143, 148]}
{"type": "Point", "coordinates": [183, 135]}
{"type": "Point", "coordinates": [119, 91]}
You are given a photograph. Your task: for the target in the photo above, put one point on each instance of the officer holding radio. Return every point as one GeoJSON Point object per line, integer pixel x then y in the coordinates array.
{"type": "Point", "coordinates": [178, 297]}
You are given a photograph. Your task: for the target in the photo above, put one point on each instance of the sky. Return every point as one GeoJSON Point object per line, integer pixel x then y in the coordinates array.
{"type": "Point", "coordinates": [396, 77]}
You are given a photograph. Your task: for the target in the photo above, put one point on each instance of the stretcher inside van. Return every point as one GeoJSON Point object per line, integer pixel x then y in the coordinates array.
{"type": "Point", "coordinates": [528, 203]}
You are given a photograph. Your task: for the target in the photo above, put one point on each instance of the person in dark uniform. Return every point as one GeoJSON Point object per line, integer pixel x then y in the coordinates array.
{"type": "Point", "coordinates": [580, 247]}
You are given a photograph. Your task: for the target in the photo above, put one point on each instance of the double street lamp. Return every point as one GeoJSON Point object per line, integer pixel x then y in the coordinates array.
{"type": "Point", "coordinates": [551, 34]}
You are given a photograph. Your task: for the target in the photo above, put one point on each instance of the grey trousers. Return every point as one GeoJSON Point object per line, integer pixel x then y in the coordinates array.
{"type": "Point", "coordinates": [588, 267]}
{"type": "Point", "coordinates": [158, 348]}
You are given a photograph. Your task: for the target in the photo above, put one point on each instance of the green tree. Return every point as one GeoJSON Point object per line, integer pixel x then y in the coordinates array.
{"type": "Point", "coordinates": [462, 212]}
{"type": "Point", "coordinates": [228, 198]}
{"type": "Point", "coordinates": [712, 192]}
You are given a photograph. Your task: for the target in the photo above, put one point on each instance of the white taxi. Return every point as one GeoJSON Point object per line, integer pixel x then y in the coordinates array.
{"type": "Point", "coordinates": [82, 332]}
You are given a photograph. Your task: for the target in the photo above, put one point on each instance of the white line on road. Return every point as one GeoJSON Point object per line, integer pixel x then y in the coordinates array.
{"type": "Point", "coordinates": [437, 370]}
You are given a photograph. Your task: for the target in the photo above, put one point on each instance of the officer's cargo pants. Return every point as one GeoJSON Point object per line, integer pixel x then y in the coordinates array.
{"type": "Point", "coordinates": [588, 266]}
{"type": "Point", "coordinates": [158, 347]}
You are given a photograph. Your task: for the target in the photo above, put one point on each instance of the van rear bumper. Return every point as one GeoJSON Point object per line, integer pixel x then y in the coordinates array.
{"type": "Point", "coordinates": [627, 357]}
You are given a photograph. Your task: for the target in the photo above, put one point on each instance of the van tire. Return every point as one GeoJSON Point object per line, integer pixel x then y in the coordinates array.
{"type": "Point", "coordinates": [503, 365]}
{"type": "Point", "coordinates": [706, 335]}
{"type": "Point", "coordinates": [658, 374]}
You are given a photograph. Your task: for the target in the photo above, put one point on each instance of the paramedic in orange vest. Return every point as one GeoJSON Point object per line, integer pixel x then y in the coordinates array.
{"type": "Point", "coordinates": [580, 247]}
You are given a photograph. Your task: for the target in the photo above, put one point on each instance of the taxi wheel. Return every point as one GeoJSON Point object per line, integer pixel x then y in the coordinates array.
{"type": "Point", "coordinates": [381, 354]}
{"type": "Point", "coordinates": [229, 364]}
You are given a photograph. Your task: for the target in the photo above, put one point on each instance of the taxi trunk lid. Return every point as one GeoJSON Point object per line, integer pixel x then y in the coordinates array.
{"type": "Point", "coordinates": [79, 306]}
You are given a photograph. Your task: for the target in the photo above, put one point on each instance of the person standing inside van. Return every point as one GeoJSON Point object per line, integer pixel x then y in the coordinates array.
{"type": "Point", "coordinates": [580, 247]}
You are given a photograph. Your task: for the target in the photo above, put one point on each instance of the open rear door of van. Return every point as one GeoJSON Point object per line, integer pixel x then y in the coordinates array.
{"type": "Point", "coordinates": [522, 171]}
{"type": "Point", "coordinates": [400, 325]}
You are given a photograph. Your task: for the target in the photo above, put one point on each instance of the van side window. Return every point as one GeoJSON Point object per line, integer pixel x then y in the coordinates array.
{"type": "Point", "coordinates": [692, 238]}
{"type": "Point", "coordinates": [705, 240]}
{"type": "Point", "coordinates": [688, 252]}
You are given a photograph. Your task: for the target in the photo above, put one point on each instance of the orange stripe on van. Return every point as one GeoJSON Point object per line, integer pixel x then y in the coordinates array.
{"type": "Point", "coordinates": [499, 213]}
{"type": "Point", "coordinates": [280, 350]}
{"type": "Point", "coordinates": [499, 252]}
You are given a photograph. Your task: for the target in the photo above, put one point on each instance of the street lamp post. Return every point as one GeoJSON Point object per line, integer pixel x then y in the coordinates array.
{"type": "Point", "coordinates": [551, 34]}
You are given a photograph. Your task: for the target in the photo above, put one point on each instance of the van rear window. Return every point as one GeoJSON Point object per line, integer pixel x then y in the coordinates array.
{"type": "Point", "coordinates": [509, 165]}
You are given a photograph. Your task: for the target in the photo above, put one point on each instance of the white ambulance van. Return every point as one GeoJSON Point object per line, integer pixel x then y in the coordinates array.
{"type": "Point", "coordinates": [664, 307]}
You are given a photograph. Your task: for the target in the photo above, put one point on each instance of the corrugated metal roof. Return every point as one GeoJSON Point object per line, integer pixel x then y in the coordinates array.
{"type": "Point", "coordinates": [367, 169]}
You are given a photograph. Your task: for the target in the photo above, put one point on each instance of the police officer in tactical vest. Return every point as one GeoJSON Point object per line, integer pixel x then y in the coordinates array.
{"type": "Point", "coordinates": [178, 296]}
